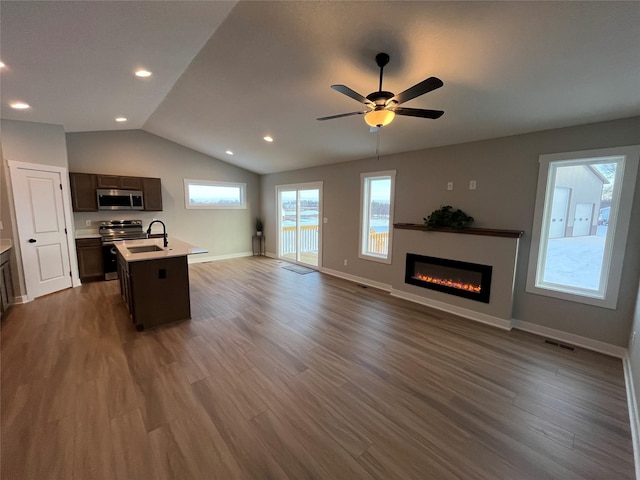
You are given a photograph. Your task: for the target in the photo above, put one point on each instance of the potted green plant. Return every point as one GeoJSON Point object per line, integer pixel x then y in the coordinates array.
{"type": "Point", "coordinates": [445, 216]}
{"type": "Point", "coordinates": [259, 226]}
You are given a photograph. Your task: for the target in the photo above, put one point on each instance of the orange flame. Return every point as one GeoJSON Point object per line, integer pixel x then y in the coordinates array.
{"type": "Point", "coordinates": [447, 282]}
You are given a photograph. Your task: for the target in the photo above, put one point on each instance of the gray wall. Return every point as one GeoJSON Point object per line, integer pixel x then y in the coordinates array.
{"type": "Point", "coordinates": [34, 143]}
{"type": "Point", "coordinates": [506, 171]}
{"type": "Point", "coordinates": [27, 142]}
{"type": "Point", "coordinates": [138, 153]}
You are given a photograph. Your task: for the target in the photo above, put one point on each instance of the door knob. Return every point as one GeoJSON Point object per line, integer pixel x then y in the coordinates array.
{"type": "Point", "coordinates": [32, 240]}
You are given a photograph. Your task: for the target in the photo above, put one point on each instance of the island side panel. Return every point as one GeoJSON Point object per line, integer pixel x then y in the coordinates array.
{"type": "Point", "coordinates": [160, 291]}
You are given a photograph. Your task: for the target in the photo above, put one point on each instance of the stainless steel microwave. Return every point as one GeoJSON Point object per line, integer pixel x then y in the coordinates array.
{"type": "Point", "coordinates": [120, 199]}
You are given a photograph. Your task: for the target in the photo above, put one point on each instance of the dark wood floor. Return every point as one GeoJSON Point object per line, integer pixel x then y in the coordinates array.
{"type": "Point", "coordinates": [281, 375]}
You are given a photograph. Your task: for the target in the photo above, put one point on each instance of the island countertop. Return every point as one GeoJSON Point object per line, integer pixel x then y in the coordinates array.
{"type": "Point", "coordinates": [176, 248]}
{"type": "Point", "coordinates": [5, 245]}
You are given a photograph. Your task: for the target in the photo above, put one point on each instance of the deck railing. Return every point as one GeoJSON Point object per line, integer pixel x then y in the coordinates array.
{"type": "Point", "coordinates": [308, 239]}
{"type": "Point", "coordinates": [378, 242]}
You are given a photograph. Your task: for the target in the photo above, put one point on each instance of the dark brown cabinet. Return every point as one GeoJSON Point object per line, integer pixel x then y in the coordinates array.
{"type": "Point", "coordinates": [124, 183]}
{"type": "Point", "coordinates": [155, 291]}
{"type": "Point", "coordinates": [84, 186]}
{"type": "Point", "coordinates": [90, 259]}
{"type": "Point", "coordinates": [152, 190]}
{"type": "Point", "coordinates": [83, 192]}
{"type": "Point", "coordinates": [6, 282]}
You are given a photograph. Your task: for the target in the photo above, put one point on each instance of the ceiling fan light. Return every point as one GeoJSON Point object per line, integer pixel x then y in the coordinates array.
{"type": "Point", "coordinates": [379, 118]}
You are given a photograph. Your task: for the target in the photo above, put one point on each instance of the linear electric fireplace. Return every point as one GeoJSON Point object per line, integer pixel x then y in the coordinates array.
{"type": "Point", "coordinates": [468, 280]}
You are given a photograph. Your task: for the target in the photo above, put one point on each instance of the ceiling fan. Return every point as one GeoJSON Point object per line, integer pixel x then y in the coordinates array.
{"type": "Point", "coordinates": [383, 106]}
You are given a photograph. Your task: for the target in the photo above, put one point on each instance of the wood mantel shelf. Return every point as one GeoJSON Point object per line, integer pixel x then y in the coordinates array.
{"type": "Point", "coordinates": [490, 232]}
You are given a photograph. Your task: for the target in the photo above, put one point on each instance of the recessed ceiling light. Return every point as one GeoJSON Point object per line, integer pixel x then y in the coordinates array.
{"type": "Point", "coordinates": [229, 152]}
{"type": "Point", "coordinates": [268, 139]}
{"type": "Point", "coordinates": [20, 105]}
{"type": "Point", "coordinates": [121, 119]}
{"type": "Point", "coordinates": [143, 73]}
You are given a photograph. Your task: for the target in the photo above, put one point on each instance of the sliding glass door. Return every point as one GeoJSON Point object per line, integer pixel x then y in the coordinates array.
{"type": "Point", "coordinates": [299, 222]}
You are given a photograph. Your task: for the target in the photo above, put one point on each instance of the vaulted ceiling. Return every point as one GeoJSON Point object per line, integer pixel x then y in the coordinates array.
{"type": "Point", "coordinates": [225, 74]}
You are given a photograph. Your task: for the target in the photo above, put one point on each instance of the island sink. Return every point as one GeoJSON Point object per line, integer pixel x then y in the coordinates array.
{"type": "Point", "coordinates": [145, 249]}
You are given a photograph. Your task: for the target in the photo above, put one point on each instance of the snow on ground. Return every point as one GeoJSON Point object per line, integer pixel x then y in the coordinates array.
{"type": "Point", "coordinates": [576, 261]}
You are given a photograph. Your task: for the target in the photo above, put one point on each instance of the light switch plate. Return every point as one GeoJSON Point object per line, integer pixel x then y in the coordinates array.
{"type": "Point", "coordinates": [450, 186]}
{"type": "Point", "coordinates": [472, 184]}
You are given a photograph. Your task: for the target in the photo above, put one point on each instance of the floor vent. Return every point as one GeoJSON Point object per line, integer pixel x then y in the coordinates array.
{"type": "Point", "coordinates": [558, 344]}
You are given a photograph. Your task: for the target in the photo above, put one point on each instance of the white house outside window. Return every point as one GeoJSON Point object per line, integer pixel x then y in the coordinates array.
{"type": "Point", "coordinates": [376, 215]}
{"type": "Point", "coordinates": [583, 209]}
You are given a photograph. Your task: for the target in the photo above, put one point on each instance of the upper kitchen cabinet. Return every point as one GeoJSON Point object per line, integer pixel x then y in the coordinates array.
{"type": "Point", "coordinates": [84, 186]}
{"type": "Point", "coordinates": [152, 191]}
{"type": "Point", "coordinates": [83, 192]}
{"type": "Point", "coordinates": [124, 183]}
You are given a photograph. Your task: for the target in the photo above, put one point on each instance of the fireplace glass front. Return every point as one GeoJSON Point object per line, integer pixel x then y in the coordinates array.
{"type": "Point", "coordinates": [464, 279]}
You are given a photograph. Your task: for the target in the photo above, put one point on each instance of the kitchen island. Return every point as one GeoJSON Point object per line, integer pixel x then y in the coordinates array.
{"type": "Point", "coordinates": [154, 280]}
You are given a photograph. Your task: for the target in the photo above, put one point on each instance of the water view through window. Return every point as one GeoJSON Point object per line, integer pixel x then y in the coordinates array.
{"type": "Point", "coordinates": [299, 223]}
{"type": "Point", "coordinates": [376, 216]}
{"type": "Point", "coordinates": [205, 194]}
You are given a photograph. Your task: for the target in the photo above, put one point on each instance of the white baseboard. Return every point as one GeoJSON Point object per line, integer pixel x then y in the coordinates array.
{"type": "Point", "coordinates": [577, 340]}
{"type": "Point", "coordinates": [212, 258]}
{"type": "Point", "coordinates": [632, 403]}
{"type": "Point", "coordinates": [461, 312]}
{"type": "Point", "coordinates": [355, 279]}
{"type": "Point", "coordinates": [21, 299]}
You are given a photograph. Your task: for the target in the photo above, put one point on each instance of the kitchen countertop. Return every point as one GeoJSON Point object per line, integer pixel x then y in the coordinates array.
{"type": "Point", "coordinates": [87, 233]}
{"type": "Point", "coordinates": [5, 245]}
{"type": "Point", "coordinates": [176, 248]}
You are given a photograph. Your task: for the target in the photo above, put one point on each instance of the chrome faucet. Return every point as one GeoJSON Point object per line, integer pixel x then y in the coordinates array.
{"type": "Point", "coordinates": [164, 231]}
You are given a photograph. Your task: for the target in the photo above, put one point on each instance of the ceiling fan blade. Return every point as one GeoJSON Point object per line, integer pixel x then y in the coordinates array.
{"type": "Point", "coordinates": [341, 115]}
{"type": "Point", "coordinates": [351, 93]}
{"type": "Point", "coordinates": [418, 112]}
{"type": "Point", "coordinates": [418, 89]}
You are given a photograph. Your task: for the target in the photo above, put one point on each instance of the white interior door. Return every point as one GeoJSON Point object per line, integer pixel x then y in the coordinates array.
{"type": "Point", "coordinates": [41, 229]}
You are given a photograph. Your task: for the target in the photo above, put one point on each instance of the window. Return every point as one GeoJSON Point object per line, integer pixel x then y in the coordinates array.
{"type": "Point", "coordinates": [583, 209]}
{"type": "Point", "coordinates": [376, 215]}
{"type": "Point", "coordinates": [208, 195]}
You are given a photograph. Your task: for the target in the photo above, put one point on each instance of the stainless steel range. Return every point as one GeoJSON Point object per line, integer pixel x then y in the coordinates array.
{"type": "Point", "coordinates": [116, 231]}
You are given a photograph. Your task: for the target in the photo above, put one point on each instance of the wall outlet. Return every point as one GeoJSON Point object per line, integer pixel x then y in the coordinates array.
{"type": "Point", "coordinates": [87, 223]}
{"type": "Point", "coordinates": [450, 186]}
{"type": "Point", "coordinates": [345, 262]}
{"type": "Point", "coordinates": [472, 184]}
{"type": "Point", "coordinates": [325, 220]}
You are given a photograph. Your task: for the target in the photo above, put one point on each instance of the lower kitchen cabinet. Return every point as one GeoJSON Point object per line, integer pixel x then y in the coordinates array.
{"type": "Point", "coordinates": [90, 260]}
{"type": "Point", "coordinates": [155, 291]}
{"type": "Point", "coordinates": [6, 282]}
